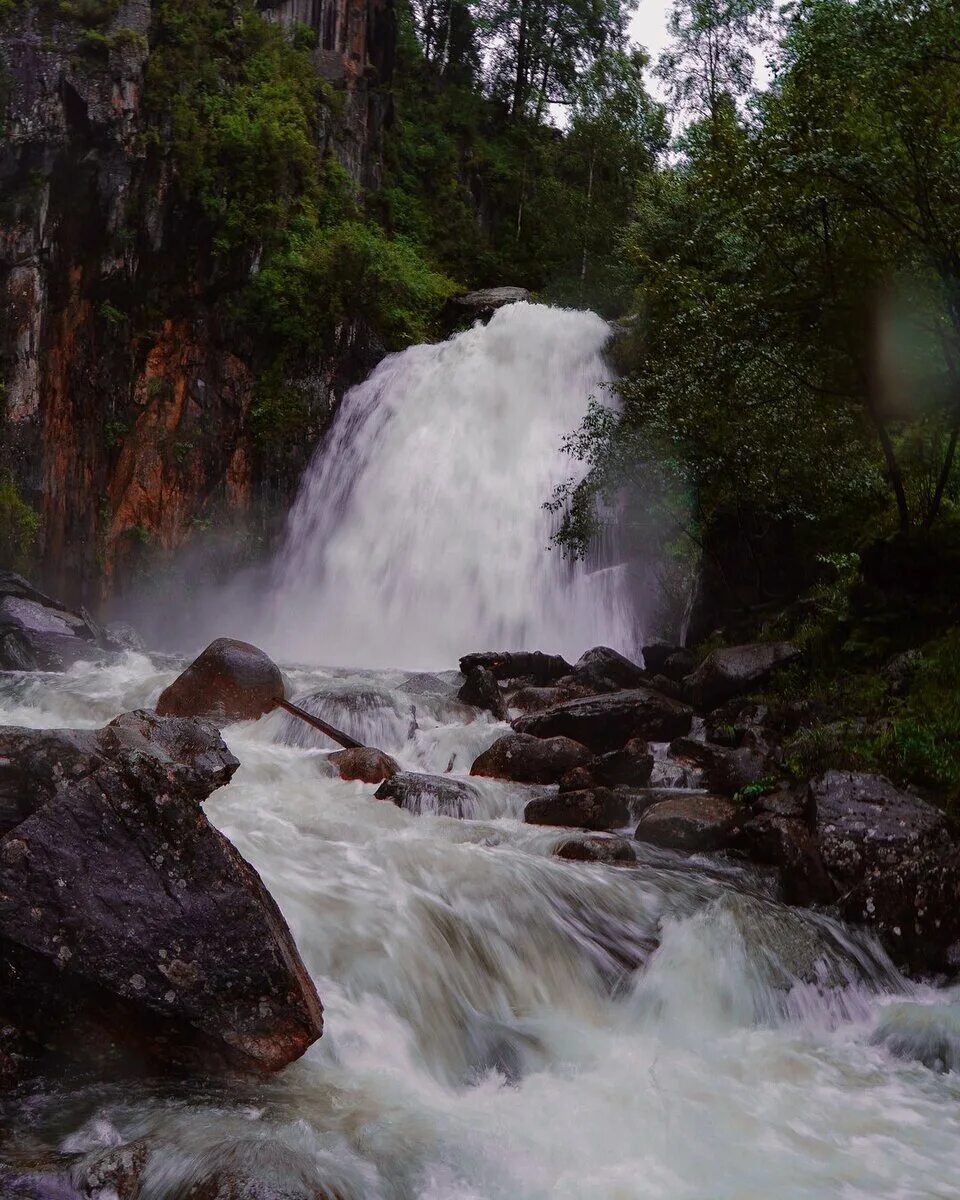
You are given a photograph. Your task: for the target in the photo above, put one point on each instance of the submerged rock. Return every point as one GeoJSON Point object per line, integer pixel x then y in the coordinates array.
{"type": "Point", "coordinates": [598, 848]}
{"type": "Point", "coordinates": [592, 808]}
{"type": "Point", "coordinates": [429, 794]}
{"type": "Point", "coordinates": [364, 765]}
{"type": "Point", "coordinates": [689, 821]}
{"type": "Point", "coordinates": [131, 929]}
{"type": "Point", "coordinates": [527, 759]}
{"type": "Point", "coordinates": [608, 722]}
{"type": "Point", "coordinates": [229, 681]}
{"type": "Point", "coordinates": [735, 670]}
{"type": "Point", "coordinates": [481, 690]}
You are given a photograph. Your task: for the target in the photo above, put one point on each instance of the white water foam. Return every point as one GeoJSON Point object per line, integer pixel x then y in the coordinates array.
{"type": "Point", "coordinates": [419, 532]}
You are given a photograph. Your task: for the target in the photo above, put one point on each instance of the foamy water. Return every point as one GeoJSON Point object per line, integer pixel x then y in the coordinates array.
{"type": "Point", "coordinates": [502, 1025]}
{"type": "Point", "coordinates": [419, 531]}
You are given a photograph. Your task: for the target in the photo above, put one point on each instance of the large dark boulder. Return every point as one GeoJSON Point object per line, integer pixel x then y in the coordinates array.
{"type": "Point", "coordinates": [607, 722]}
{"type": "Point", "coordinates": [689, 821]}
{"type": "Point", "coordinates": [736, 670]}
{"type": "Point", "coordinates": [131, 930]}
{"type": "Point", "coordinates": [481, 690]}
{"type": "Point", "coordinates": [604, 670]}
{"type": "Point", "coordinates": [229, 681]}
{"type": "Point", "coordinates": [527, 759]}
{"type": "Point", "coordinates": [430, 794]}
{"type": "Point", "coordinates": [38, 633]}
{"type": "Point", "coordinates": [533, 665]}
{"type": "Point", "coordinates": [593, 808]}
{"type": "Point", "coordinates": [632, 765]}
{"type": "Point", "coordinates": [728, 769]}
{"type": "Point", "coordinates": [895, 863]}
{"type": "Point", "coordinates": [484, 303]}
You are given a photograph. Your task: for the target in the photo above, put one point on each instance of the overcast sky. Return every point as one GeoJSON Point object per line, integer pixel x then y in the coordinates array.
{"type": "Point", "coordinates": [649, 25]}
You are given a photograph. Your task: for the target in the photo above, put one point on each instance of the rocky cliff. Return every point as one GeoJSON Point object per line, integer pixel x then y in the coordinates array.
{"type": "Point", "coordinates": [130, 387]}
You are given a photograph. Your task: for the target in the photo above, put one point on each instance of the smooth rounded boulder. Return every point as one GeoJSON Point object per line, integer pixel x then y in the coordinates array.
{"type": "Point", "coordinates": [365, 764]}
{"type": "Point", "coordinates": [690, 821]}
{"type": "Point", "coordinates": [527, 759]}
{"type": "Point", "coordinates": [736, 670]}
{"type": "Point", "coordinates": [229, 681]}
{"type": "Point", "coordinates": [604, 670]}
{"type": "Point", "coordinates": [597, 848]}
{"type": "Point", "coordinates": [593, 808]}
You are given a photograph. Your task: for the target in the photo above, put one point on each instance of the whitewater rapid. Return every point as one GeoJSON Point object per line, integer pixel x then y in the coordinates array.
{"type": "Point", "coordinates": [503, 1025]}
{"type": "Point", "coordinates": [419, 530]}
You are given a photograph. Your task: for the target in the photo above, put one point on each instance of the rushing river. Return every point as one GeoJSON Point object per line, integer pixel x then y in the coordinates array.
{"type": "Point", "coordinates": [500, 1024]}
{"type": "Point", "coordinates": [503, 1025]}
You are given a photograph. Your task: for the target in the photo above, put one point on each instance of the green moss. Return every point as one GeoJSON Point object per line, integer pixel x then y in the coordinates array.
{"type": "Point", "coordinates": [19, 526]}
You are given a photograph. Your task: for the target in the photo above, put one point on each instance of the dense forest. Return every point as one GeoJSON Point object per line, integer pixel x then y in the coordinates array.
{"type": "Point", "coordinates": [783, 261]}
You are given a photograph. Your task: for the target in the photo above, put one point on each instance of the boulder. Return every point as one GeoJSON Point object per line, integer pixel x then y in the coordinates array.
{"type": "Point", "coordinates": [655, 655]}
{"type": "Point", "coordinates": [481, 305]}
{"type": "Point", "coordinates": [38, 633]}
{"type": "Point", "coordinates": [536, 699]}
{"type": "Point", "coordinates": [593, 808]}
{"type": "Point", "coordinates": [632, 765]}
{"type": "Point", "coordinates": [437, 794]}
{"type": "Point", "coordinates": [364, 765]}
{"type": "Point", "coordinates": [526, 759]}
{"type": "Point", "coordinates": [785, 842]}
{"type": "Point", "coordinates": [576, 779]}
{"type": "Point", "coordinates": [131, 930]}
{"type": "Point", "coordinates": [728, 769]}
{"type": "Point", "coordinates": [608, 722]}
{"type": "Point", "coordinates": [229, 681]}
{"type": "Point", "coordinates": [895, 863]}
{"type": "Point", "coordinates": [737, 670]}
{"type": "Point", "coordinates": [690, 821]}
{"type": "Point", "coordinates": [678, 665]}
{"type": "Point", "coordinates": [481, 690]}
{"type": "Point", "coordinates": [598, 848]}
{"type": "Point", "coordinates": [604, 670]}
{"type": "Point", "coordinates": [533, 665]}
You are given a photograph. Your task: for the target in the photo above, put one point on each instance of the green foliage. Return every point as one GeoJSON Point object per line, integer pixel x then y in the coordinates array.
{"type": "Point", "coordinates": [111, 314]}
{"type": "Point", "coordinates": [19, 526]}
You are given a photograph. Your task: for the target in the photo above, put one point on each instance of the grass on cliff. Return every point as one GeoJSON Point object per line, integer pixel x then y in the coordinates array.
{"type": "Point", "coordinates": [19, 527]}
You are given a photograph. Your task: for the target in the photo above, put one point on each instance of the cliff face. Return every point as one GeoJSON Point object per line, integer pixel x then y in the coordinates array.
{"type": "Point", "coordinates": [128, 388]}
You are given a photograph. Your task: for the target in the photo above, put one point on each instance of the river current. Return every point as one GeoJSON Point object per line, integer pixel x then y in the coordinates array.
{"type": "Point", "coordinates": [503, 1025]}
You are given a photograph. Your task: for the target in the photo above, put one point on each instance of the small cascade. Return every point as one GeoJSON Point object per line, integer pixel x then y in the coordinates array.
{"type": "Point", "coordinates": [419, 532]}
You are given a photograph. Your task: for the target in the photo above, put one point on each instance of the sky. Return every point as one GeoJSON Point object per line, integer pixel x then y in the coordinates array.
{"type": "Point", "coordinates": [649, 25]}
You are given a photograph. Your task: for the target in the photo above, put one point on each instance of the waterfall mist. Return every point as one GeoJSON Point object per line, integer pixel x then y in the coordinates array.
{"type": "Point", "coordinates": [419, 532]}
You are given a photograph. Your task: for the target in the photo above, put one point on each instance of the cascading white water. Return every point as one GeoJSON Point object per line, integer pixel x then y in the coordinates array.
{"type": "Point", "coordinates": [502, 1025]}
{"type": "Point", "coordinates": [419, 532]}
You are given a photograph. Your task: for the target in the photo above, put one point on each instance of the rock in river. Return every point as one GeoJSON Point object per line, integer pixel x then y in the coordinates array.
{"type": "Point", "coordinates": [38, 633]}
{"type": "Point", "coordinates": [527, 759]}
{"type": "Point", "coordinates": [437, 794]}
{"type": "Point", "coordinates": [229, 681]}
{"type": "Point", "coordinates": [592, 808]}
{"type": "Point", "coordinates": [604, 670]}
{"type": "Point", "coordinates": [130, 928]}
{"type": "Point", "coordinates": [689, 821]}
{"type": "Point", "coordinates": [607, 722]}
{"type": "Point", "coordinates": [364, 764]}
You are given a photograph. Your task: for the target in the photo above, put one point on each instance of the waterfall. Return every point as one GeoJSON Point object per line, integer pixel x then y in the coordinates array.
{"type": "Point", "coordinates": [419, 532]}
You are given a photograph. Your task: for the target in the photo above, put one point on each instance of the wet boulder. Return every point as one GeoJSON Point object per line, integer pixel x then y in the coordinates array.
{"type": "Point", "coordinates": [131, 930]}
{"type": "Point", "coordinates": [481, 690]}
{"type": "Point", "coordinates": [604, 670]}
{"type": "Point", "coordinates": [592, 808]}
{"type": "Point", "coordinates": [438, 794]}
{"type": "Point", "coordinates": [728, 769]}
{"type": "Point", "coordinates": [484, 303]}
{"type": "Point", "coordinates": [655, 655]}
{"type": "Point", "coordinates": [364, 764]}
{"type": "Point", "coordinates": [597, 848]}
{"type": "Point", "coordinates": [632, 765]}
{"type": "Point", "coordinates": [784, 841]}
{"type": "Point", "coordinates": [38, 633]}
{"type": "Point", "coordinates": [689, 821]}
{"type": "Point", "coordinates": [895, 862]}
{"type": "Point", "coordinates": [535, 699]}
{"type": "Point", "coordinates": [229, 681]}
{"type": "Point", "coordinates": [534, 666]}
{"type": "Point", "coordinates": [527, 759]}
{"type": "Point", "coordinates": [609, 721]}
{"type": "Point", "coordinates": [736, 670]}
{"type": "Point", "coordinates": [577, 779]}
